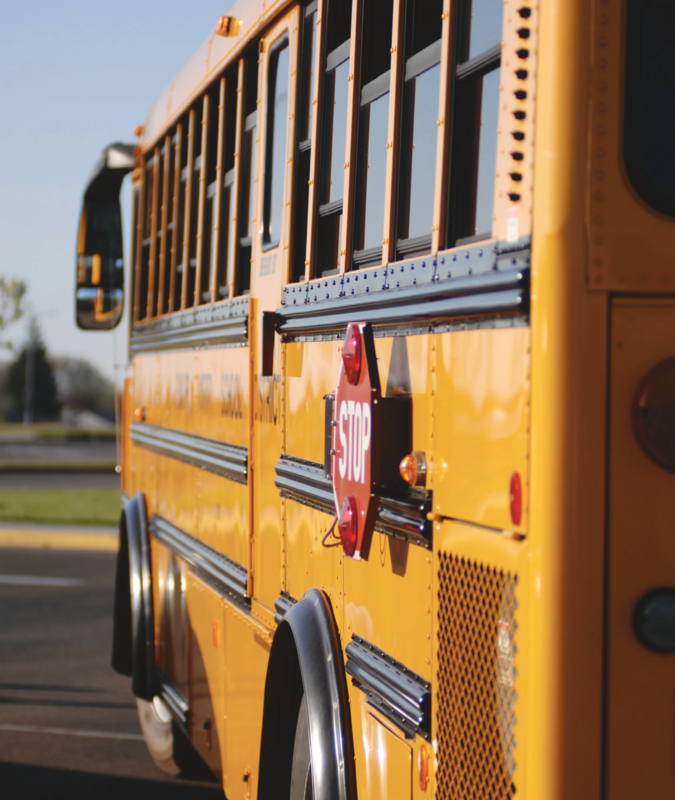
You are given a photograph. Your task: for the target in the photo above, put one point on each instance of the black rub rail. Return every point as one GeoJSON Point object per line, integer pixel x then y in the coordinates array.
{"type": "Point", "coordinates": [225, 575]}
{"type": "Point", "coordinates": [228, 460]}
{"type": "Point", "coordinates": [405, 518]}
{"type": "Point", "coordinates": [479, 282]}
{"type": "Point", "coordinates": [222, 324]}
{"type": "Point", "coordinates": [390, 687]}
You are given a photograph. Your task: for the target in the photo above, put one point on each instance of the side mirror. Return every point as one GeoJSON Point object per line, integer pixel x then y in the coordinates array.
{"type": "Point", "coordinates": [99, 295]}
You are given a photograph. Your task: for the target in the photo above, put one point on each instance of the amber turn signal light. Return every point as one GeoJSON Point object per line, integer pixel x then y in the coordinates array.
{"type": "Point", "coordinates": [413, 468]}
{"type": "Point", "coordinates": [228, 26]}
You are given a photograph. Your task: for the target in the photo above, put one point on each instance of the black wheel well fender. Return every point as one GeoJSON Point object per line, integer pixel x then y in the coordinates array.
{"type": "Point", "coordinates": [133, 645]}
{"type": "Point", "coordinates": [306, 657]}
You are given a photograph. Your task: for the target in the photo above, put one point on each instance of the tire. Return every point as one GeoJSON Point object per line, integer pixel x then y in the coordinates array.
{"type": "Point", "coordinates": [301, 774]}
{"type": "Point", "coordinates": [170, 750]}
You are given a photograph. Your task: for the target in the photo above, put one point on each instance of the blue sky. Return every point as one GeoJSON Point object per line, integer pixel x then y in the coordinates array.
{"type": "Point", "coordinates": [75, 76]}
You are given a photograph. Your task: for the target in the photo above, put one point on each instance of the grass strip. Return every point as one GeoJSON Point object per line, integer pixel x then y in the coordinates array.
{"type": "Point", "coordinates": [53, 430]}
{"type": "Point", "coordinates": [61, 506]}
{"type": "Point", "coordinates": [45, 465]}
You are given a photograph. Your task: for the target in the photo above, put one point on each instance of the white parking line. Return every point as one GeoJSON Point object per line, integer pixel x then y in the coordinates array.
{"type": "Point", "coordinates": [35, 580]}
{"type": "Point", "coordinates": [136, 737]}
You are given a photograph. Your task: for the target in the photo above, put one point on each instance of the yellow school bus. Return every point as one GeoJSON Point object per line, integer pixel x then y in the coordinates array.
{"type": "Point", "coordinates": [398, 421]}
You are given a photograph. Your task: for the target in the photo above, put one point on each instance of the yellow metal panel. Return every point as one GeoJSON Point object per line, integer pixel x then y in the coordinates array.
{"type": "Point", "coordinates": [177, 497]}
{"type": "Point", "coordinates": [223, 514]}
{"type": "Point", "coordinates": [205, 610]}
{"type": "Point", "coordinates": [567, 477]}
{"type": "Point", "coordinates": [308, 563]}
{"type": "Point", "coordinates": [222, 395]}
{"type": "Point", "coordinates": [481, 424]}
{"type": "Point", "coordinates": [311, 369]}
{"type": "Point", "coordinates": [388, 601]}
{"type": "Point", "coordinates": [383, 758]}
{"type": "Point", "coordinates": [246, 654]}
{"type": "Point", "coordinates": [641, 557]}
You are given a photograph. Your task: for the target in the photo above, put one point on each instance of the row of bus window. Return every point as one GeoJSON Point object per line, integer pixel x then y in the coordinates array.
{"type": "Point", "coordinates": [195, 211]}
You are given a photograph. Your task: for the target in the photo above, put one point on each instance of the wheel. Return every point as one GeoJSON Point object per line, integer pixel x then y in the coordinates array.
{"type": "Point", "coordinates": [301, 774]}
{"type": "Point", "coordinates": [170, 750]}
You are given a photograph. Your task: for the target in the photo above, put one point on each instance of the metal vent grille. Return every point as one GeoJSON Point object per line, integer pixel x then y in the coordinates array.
{"type": "Point", "coordinates": [476, 680]}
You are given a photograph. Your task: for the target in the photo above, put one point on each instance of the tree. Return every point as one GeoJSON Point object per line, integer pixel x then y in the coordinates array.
{"type": "Point", "coordinates": [12, 292]}
{"type": "Point", "coordinates": [82, 387]}
{"type": "Point", "coordinates": [31, 370]}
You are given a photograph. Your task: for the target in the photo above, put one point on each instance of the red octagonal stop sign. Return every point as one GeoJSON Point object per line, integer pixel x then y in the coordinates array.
{"type": "Point", "coordinates": [355, 463]}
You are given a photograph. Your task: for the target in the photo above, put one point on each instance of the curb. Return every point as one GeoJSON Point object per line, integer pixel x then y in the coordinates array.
{"type": "Point", "coordinates": [59, 537]}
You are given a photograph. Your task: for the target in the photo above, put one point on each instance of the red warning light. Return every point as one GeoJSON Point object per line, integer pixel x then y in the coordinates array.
{"type": "Point", "coordinates": [516, 498]}
{"type": "Point", "coordinates": [351, 354]}
{"type": "Point", "coordinates": [348, 525]}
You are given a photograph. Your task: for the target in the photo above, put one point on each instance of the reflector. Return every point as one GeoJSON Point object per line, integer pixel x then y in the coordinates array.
{"type": "Point", "coordinates": [516, 497]}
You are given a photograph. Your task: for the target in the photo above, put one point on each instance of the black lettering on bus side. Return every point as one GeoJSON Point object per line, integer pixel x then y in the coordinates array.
{"type": "Point", "coordinates": [231, 404]}
{"type": "Point", "coordinates": [268, 399]}
{"type": "Point", "coordinates": [205, 385]}
{"type": "Point", "coordinates": [182, 389]}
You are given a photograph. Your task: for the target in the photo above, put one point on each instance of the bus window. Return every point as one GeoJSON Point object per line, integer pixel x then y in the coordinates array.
{"type": "Point", "coordinates": [649, 123]}
{"type": "Point", "coordinates": [163, 233]}
{"type": "Point", "coordinates": [275, 139]}
{"type": "Point", "coordinates": [225, 252]}
{"type": "Point", "coordinates": [192, 222]}
{"type": "Point", "coordinates": [170, 191]}
{"type": "Point", "coordinates": [157, 230]}
{"type": "Point", "coordinates": [136, 237]}
{"type": "Point", "coordinates": [248, 174]}
{"type": "Point", "coordinates": [417, 152]}
{"type": "Point", "coordinates": [184, 127]}
{"type": "Point", "coordinates": [148, 196]}
{"type": "Point", "coordinates": [212, 115]}
{"type": "Point", "coordinates": [475, 112]}
{"type": "Point", "coordinates": [334, 124]}
{"type": "Point", "coordinates": [371, 160]}
{"type": "Point", "coordinates": [304, 144]}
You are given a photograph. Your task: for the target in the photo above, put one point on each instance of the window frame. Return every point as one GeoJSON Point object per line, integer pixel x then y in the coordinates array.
{"type": "Point", "coordinates": [463, 172]}
{"type": "Point", "coordinates": [301, 238]}
{"type": "Point", "coordinates": [330, 210]}
{"type": "Point", "coordinates": [281, 42]}
{"type": "Point", "coordinates": [246, 122]}
{"type": "Point", "coordinates": [416, 65]}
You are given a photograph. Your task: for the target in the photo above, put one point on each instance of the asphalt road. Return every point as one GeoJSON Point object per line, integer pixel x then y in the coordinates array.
{"type": "Point", "coordinates": [68, 724]}
{"type": "Point", "coordinates": [57, 450]}
{"type": "Point", "coordinates": [107, 479]}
